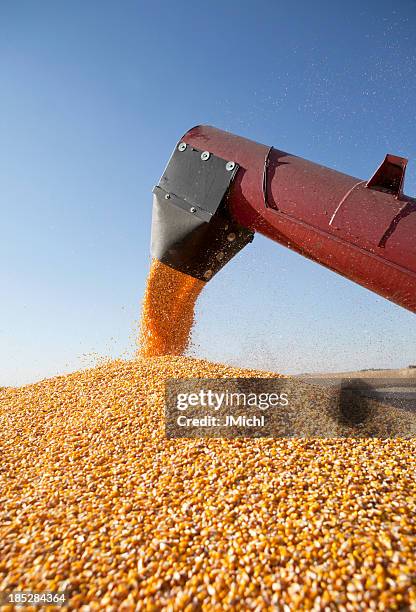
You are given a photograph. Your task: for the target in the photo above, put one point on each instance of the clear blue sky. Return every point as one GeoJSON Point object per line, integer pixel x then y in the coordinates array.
{"type": "Point", "coordinates": [94, 96]}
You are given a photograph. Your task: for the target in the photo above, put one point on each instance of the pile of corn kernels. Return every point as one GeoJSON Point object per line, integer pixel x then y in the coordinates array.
{"type": "Point", "coordinates": [94, 499]}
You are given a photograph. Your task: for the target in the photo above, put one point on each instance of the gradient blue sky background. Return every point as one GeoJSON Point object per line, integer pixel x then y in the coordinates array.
{"type": "Point", "coordinates": [93, 97]}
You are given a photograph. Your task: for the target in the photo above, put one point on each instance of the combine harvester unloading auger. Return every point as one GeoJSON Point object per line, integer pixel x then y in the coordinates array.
{"type": "Point", "coordinates": [218, 189]}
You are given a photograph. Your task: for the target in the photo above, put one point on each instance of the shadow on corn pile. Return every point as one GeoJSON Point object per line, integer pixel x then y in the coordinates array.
{"type": "Point", "coordinates": [346, 409]}
{"type": "Point", "coordinates": [355, 407]}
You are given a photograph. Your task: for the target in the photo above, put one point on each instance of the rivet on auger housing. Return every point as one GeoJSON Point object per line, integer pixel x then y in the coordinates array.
{"type": "Point", "coordinates": [191, 227]}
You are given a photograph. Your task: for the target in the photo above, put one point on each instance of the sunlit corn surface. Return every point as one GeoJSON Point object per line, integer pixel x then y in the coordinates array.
{"type": "Point", "coordinates": [96, 500]}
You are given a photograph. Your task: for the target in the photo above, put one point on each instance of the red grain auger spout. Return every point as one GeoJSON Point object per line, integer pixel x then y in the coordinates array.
{"type": "Point", "coordinates": [218, 189]}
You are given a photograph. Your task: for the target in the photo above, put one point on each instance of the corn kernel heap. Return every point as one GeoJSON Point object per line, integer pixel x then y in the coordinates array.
{"type": "Point", "coordinates": [95, 499]}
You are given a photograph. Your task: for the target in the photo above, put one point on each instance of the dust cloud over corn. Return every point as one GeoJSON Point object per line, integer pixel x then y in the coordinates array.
{"type": "Point", "coordinates": [95, 499]}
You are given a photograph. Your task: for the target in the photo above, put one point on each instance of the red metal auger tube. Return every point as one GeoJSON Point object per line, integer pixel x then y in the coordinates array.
{"type": "Point", "coordinates": [364, 230]}
{"type": "Point", "coordinates": [218, 189]}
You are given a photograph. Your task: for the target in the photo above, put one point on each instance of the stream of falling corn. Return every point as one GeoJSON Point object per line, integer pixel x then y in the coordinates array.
{"type": "Point", "coordinates": [95, 499]}
{"type": "Point", "coordinates": [168, 311]}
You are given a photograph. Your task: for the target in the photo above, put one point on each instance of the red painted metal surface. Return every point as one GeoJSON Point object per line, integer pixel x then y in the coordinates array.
{"type": "Point", "coordinates": [364, 230]}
